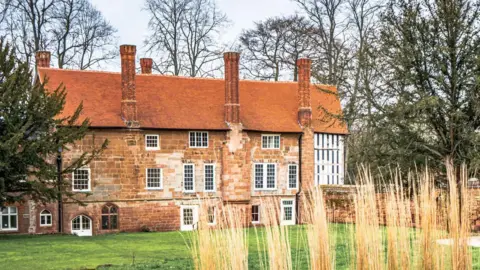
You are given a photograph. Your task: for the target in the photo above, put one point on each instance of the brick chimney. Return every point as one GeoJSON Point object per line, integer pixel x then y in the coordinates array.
{"type": "Point", "coordinates": [129, 102]}
{"type": "Point", "coordinates": [304, 107]}
{"type": "Point", "coordinates": [232, 103]}
{"type": "Point", "coordinates": [42, 59]}
{"type": "Point", "coordinates": [146, 65]}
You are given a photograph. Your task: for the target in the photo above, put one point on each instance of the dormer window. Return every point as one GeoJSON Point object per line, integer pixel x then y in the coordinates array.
{"type": "Point", "coordinates": [152, 142]}
{"type": "Point", "coordinates": [198, 139]}
{"type": "Point", "coordinates": [270, 141]}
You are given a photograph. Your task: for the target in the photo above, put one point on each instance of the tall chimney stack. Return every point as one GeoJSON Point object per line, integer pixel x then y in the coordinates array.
{"type": "Point", "coordinates": [232, 103]}
{"type": "Point", "coordinates": [146, 65]}
{"type": "Point", "coordinates": [129, 102]}
{"type": "Point", "coordinates": [42, 59]}
{"type": "Point", "coordinates": [304, 108]}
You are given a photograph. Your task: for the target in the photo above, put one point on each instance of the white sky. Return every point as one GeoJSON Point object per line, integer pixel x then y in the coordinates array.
{"type": "Point", "coordinates": [131, 20]}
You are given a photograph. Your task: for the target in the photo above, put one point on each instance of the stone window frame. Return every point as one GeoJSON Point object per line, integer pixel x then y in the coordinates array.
{"type": "Point", "coordinates": [265, 176]}
{"type": "Point", "coordinates": [258, 214]}
{"type": "Point", "coordinates": [9, 214]}
{"type": "Point", "coordinates": [149, 148]}
{"type": "Point", "coordinates": [272, 147]}
{"type": "Point", "coordinates": [194, 132]}
{"type": "Point", "coordinates": [161, 179]}
{"type": "Point", "coordinates": [45, 214]}
{"type": "Point", "coordinates": [289, 175]}
{"type": "Point", "coordinates": [109, 216]}
{"type": "Point", "coordinates": [214, 212]}
{"type": "Point", "coordinates": [205, 177]}
{"type": "Point", "coordinates": [193, 178]}
{"type": "Point", "coordinates": [89, 180]}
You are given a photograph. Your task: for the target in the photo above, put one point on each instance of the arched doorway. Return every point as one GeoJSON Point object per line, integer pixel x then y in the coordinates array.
{"type": "Point", "coordinates": [82, 226]}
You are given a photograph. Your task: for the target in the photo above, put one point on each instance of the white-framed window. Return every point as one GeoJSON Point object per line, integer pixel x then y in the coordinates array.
{"type": "Point", "coordinates": [188, 217]}
{"type": "Point", "coordinates": [198, 139]}
{"type": "Point", "coordinates": [270, 141]}
{"type": "Point", "coordinates": [154, 178]}
{"type": "Point", "coordinates": [255, 214]}
{"type": "Point", "coordinates": [81, 179]}
{"type": "Point", "coordinates": [82, 226]}
{"type": "Point", "coordinates": [329, 159]}
{"type": "Point", "coordinates": [9, 218]}
{"type": "Point", "coordinates": [292, 176]}
{"type": "Point", "coordinates": [188, 178]}
{"type": "Point", "coordinates": [265, 176]}
{"type": "Point", "coordinates": [209, 177]}
{"type": "Point", "coordinates": [211, 215]}
{"type": "Point", "coordinates": [152, 142]}
{"type": "Point", "coordinates": [45, 218]}
{"type": "Point", "coordinates": [287, 212]}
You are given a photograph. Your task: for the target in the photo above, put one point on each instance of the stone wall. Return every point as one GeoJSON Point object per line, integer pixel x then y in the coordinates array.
{"type": "Point", "coordinates": [118, 177]}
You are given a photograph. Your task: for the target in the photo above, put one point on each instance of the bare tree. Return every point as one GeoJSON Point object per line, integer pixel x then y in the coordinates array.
{"type": "Point", "coordinates": [166, 21]}
{"type": "Point", "coordinates": [273, 47]}
{"type": "Point", "coordinates": [363, 72]}
{"type": "Point", "coordinates": [83, 37]}
{"type": "Point", "coordinates": [27, 23]}
{"type": "Point", "coordinates": [74, 30]}
{"type": "Point", "coordinates": [330, 38]}
{"type": "Point", "coordinates": [4, 5]}
{"type": "Point", "coordinates": [263, 48]}
{"type": "Point", "coordinates": [298, 42]}
{"type": "Point", "coordinates": [202, 20]}
{"type": "Point", "coordinates": [184, 34]}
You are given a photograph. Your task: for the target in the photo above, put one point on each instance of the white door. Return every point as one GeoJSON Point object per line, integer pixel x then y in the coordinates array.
{"type": "Point", "coordinates": [82, 226]}
{"type": "Point", "coordinates": [288, 212]}
{"type": "Point", "coordinates": [188, 217]}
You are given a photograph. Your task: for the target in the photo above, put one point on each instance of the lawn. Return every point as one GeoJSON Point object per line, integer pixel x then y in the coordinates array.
{"type": "Point", "coordinates": [166, 250]}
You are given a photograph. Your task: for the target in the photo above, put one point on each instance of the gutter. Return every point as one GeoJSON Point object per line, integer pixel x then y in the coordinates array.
{"type": "Point", "coordinates": [59, 189]}
{"type": "Point", "coordinates": [297, 195]}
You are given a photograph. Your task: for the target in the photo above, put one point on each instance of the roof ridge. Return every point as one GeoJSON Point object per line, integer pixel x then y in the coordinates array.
{"type": "Point", "coordinates": [180, 77]}
{"type": "Point", "coordinates": [79, 70]}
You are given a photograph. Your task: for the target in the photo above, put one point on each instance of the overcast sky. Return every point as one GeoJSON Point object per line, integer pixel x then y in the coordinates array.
{"type": "Point", "coordinates": [131, 20]}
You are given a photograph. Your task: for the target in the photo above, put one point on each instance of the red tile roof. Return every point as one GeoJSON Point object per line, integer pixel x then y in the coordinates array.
{"type": "Point", "coordinates": [170, 102]}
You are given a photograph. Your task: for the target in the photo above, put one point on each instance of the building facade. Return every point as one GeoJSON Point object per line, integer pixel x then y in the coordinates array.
{"type": "Point", "coordinates": [175, 140]}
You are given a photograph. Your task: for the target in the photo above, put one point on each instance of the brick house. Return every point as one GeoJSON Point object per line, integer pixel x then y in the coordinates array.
{"type": "Point", "coordinates": [174, 140]}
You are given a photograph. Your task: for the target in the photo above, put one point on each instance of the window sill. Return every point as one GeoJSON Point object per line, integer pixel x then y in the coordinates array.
{"type": "Point", "coordinates": [44, 226]}
{"type": "Point", "coordinates": [189, 191]}
{"type": "Point", "coordinates": [82, 190]}
{"type": "Point", "coordinates": [9, 230]}
{"type": "Point", "coordinates": [154, 188]}
{"type": "Point", "coordinates": [265, 189]}
{"type": "Point", "coordinates": [255, 222]}
{"type": "Point", "coordinates": [198, 147]}
{"type": "Point", "coordinates": [152, 149]}
{"type": "Point", "coordinates": [209, 191]}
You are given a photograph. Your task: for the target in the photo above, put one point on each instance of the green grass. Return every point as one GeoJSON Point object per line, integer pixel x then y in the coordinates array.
{"type": "Point", "coordinates": [166, 250]}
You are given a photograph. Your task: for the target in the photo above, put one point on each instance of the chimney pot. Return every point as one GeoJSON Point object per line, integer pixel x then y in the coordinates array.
{"type": "Point", "coordinates": [146, 65]}
{"type": "Point", "coordinates": [232, 102]}
{"type": "Point", "coordinates": [304, 108]}
{"type": "Point", "coordinates": [42, 59]}
{"type": "Point", "coordinates": [129, 102]}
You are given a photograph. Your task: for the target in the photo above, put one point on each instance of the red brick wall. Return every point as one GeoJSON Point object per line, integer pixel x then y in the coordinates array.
{"type": "Point", "coordinates": [132, 215]}
{"type": "Point", "coordinates": [118, 176]}
{"type": "Point", "coordinates": [28, 218]}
